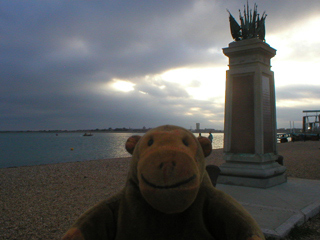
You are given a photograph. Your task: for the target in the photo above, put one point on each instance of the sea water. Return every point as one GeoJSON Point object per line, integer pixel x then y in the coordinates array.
{"type": "Point", "coordinates": [35, 148]}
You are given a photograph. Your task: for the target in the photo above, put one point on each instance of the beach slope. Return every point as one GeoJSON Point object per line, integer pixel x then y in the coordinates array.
{"type": "Point", "coordinates": [41, 202]}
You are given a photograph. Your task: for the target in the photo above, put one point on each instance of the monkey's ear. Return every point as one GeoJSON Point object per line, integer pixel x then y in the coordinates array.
{"type": "Point", "coordinates": [205, 145]}
{"type": "Point", "coordinates": [131, 143]}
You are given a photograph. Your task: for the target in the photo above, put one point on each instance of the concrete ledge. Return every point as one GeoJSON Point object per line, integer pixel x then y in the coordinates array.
{"type": "Point", "coordinates": [285, 228]}
{"type": "Point", "coordinates": [311, 210]}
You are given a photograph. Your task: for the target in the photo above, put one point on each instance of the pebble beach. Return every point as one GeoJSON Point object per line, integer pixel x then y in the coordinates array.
{"type": "Point", "coordinates": [41, 202]}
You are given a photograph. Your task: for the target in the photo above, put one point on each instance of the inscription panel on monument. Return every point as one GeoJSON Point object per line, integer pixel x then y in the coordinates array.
{"type": "Point", "coordinates": [242, 127]}
{"type": "Point", "coordinates": [267, 115]}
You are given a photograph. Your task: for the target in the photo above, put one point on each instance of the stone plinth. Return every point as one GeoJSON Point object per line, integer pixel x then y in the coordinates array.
{"type": "Point", "coordinates": [250, 143]}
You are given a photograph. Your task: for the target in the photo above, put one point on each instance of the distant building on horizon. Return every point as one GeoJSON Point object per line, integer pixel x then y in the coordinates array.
{"type": "Point", "coordinates": [197, 126]}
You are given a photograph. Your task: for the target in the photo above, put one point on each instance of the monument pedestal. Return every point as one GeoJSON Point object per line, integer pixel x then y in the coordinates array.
{"type": "Point", "coordinates": [252, 170]}
{"type": "Point", "coordinates": [250, 143]}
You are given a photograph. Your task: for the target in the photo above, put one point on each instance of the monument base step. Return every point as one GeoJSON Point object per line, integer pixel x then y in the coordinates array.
{"type": "Point", "coordinates": [253, 181]}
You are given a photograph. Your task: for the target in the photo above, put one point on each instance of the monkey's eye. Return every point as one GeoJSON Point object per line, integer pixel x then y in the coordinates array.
{"type": "Point", "coordinates": [150, 142]}
{"type": "Point", "coordinates": [185, 142]}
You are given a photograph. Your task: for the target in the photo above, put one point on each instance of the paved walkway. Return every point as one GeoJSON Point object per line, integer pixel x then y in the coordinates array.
{"type": "Point", "coordinates": [278, 209]}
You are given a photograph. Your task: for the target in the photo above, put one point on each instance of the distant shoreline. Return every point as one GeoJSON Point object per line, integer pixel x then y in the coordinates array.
{"type": "Point", "coordinates": [104, 131]}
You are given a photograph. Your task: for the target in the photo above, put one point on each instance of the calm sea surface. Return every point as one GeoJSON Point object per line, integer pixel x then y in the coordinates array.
{"type": "Point", "coordinates": [27, 149]}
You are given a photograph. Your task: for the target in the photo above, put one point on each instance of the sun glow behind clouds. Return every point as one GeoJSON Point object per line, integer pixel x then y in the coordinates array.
{"type": "Point", "coordinates": [121, 85]}
{"type": "Point", "coordinates": [294, 65]}
{"type": "Point", "coordinates": [307, 30]}
{"type": "Point", "coordinates": [297, 60]}
{"type": "Point", "coordinates": [200, 83]}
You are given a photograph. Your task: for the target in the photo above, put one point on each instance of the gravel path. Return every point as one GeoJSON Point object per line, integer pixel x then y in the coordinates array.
{"type": "Point", "coordinates": [41, 202]}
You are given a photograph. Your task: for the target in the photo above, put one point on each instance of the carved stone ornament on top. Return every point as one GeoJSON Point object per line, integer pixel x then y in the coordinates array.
{"type": "Point", "coordinates": [252, 26]}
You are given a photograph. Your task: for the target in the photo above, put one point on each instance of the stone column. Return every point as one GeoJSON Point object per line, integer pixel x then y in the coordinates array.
{"type": "Point", "coordinates": [250, 143]}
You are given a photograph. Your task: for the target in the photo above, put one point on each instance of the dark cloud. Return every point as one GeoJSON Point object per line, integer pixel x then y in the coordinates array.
{"type": "Point", "coordinates": [285, 115]}
{"type": "Point", "coordinates": [55, 54]}
{"type": "Point", "coordinates": [305, 97]}
{"type": "Point", "coordinates": [110, 110]}
{"type": "Point", "coordinates": [298, 92]}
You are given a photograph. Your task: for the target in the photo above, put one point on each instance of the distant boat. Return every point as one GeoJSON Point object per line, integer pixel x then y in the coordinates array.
{"type": "Point", "coordinates": [87, 135]}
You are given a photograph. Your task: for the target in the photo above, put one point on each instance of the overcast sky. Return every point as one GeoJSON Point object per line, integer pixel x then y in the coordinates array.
{"type": "Point", "coordinates": [113, 63]}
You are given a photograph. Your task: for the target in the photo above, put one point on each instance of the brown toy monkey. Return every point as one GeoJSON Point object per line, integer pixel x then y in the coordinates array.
{"type": "Point", "coordinates": [168, 195]}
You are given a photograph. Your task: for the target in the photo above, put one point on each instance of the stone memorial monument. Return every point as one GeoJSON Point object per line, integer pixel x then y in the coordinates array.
{"type": "Point", "coordinates": [250, 143]}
